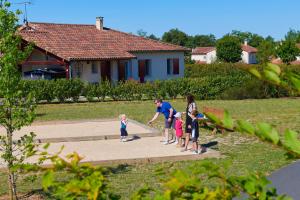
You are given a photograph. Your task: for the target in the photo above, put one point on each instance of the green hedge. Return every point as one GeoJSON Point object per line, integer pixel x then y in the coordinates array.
{"type": "Point", "coordinates": [216, 81]}
{"type": "Point", "coordinates": [246, 86]}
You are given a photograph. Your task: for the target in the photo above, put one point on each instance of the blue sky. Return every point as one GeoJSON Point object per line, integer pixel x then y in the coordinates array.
{"type": "Point", "coordinates": [265, 17]}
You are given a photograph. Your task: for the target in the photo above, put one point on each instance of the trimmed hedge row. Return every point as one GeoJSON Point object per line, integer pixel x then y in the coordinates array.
{"type": "Point", "coordinates": [249, 87]}
{"type": "Point", "coordinates": [70, 90]}
{"type": "Point", "coordinates": [216, 81]}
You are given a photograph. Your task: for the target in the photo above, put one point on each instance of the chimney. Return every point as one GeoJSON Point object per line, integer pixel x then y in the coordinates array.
{"type": "Point", "coordinates": [246, 42]}
{"type": "Point", "coordinates": [99, 23]}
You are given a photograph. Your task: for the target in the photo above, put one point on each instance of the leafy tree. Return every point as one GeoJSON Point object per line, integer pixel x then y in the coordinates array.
{"type": "Point", "coordinates": [287, 51]}
{"type": "Point", "coordinates": [229, 49]}
{"type": "Point", "coordinates": [144, 34]}
{"type": "Point", "coordinates": [252, 38]}
{"type": "Point", "coordinates": [153, 37]}
{"type": "Point", "coordinates": [175, 36]}
{"type": "Point", "coordinates": [203, 41]}
{"type": "Point", "coordinates": [293, 35]}
{"type": "Point", "coordinates": [266, 50]}
{"type": "Point", "coordinates": [270, 39]}
{"type": "Point", "coordinates": [16, 108]}
{"type": "Point", "coordinates": [141, 33]}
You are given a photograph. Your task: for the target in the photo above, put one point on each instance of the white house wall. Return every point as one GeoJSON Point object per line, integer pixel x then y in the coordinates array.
{"type": "Point", "coordinates": [199, 58]}
{"type": "Point", "coordinates": [158, 65]}
{"type": "Point", "coordinates": [208, 58]}
{"type": "Point", "coordinates": [211, 57]}
{"type": "Point", "coordinates": [83, 71]}
{"type": "Point", "coordinates": [245, 57]}
{"type": "Point", "coordinates": [249, 58]}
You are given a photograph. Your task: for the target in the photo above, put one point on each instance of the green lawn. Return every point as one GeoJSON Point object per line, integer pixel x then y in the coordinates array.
{"type": "Point", "coordinates": [246, 154]}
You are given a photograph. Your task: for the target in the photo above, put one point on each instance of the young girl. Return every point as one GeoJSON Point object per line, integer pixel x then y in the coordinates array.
{"type": "Point", "coordinates": [178, 129]}
{"type": "Point", "coordinates": [123, 130]}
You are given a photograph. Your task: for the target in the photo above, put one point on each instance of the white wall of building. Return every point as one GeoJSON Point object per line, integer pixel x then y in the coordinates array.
{"type": "Point", "coordinates": [83, 71]}
{"type": "Point", "coordinates": [199, 58]}
{"type": "Point", "coordinates": [245, 57]}
{"type": "Point", "coordinates": [208, 58]}
{"type": "Point", "coordinates": [158, 65]}
{"type": "Point", "coordinates": [249, 58]}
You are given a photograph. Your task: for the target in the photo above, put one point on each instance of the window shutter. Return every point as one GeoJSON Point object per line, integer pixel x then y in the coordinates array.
{"type": "Point", "coordinates": [176, 66]}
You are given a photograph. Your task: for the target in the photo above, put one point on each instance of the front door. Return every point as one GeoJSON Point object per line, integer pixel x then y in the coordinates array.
{"type": "Point", "coordinates": [105, 71]}
{"type": "Point", "coordinates": [121, 71]}
{"type": "Point", "coordinates": [142, 70]}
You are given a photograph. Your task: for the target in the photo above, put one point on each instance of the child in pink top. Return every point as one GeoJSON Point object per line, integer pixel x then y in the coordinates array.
{"type": "Point", "coordinates": [178, 128]}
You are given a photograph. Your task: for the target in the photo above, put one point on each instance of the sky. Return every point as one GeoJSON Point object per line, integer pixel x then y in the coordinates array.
{"type": "Point", "coordinates": [218, 17]}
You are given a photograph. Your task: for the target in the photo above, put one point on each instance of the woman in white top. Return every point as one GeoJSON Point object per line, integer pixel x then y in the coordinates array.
{"type": "Point", "coordinates": [191, 105]}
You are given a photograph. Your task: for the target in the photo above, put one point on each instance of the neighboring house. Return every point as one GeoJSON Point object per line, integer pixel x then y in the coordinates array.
{"type": "Point", "coordinates": [205, 55]}
{"type": "Point", "coordinates": [208, 55]}
{"type": "Point", "coordinates": [94, 53]}
{"type": "Point", "coordinates": [249, 54]}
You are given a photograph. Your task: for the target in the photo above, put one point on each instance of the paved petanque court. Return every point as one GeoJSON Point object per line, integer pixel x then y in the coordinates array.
{"type": "Point", "coordinates": [98, 142]}
{"type": "Point", "coordinates": [68, 131]}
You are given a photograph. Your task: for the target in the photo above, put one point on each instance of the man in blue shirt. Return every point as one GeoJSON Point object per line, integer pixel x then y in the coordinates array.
{"type": "Point", "coordinates": [168, 111]}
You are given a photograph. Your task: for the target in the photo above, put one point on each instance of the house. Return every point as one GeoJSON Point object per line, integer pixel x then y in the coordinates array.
{"type": "Point", "coordinates": [208, 55]}
{"type": "Point", "coordinates": [204, 55]}
{"type": "Point", "coordinates": [248, 54]}
{"type": "Point", "coordinates": [93, 53]}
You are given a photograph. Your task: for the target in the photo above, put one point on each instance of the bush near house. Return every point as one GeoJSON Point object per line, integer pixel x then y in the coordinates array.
{"type": "Point", "coordinates": [206, 82]}
{"type": "Point", "coordinates": [247, 86]}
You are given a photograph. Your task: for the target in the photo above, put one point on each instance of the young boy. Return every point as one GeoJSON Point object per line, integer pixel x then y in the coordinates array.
{"type": "Point", "coordinates": [195, 131]}
{"type": "Point", "coordinates": [123, 130]}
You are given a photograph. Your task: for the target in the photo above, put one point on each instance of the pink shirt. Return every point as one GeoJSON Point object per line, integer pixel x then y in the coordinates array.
{"type": "Point", "coordinates": [178, 128]}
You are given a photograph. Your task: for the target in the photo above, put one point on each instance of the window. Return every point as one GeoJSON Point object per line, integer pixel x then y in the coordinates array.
{"type": "Point", "coordinates": [94, 68]}
{"type": "Point", "coordinates": [173, 66]}
{"type": "Point", "coordinates": [169, 66]}
{"type": "Point", "coordinates": [144, 68]}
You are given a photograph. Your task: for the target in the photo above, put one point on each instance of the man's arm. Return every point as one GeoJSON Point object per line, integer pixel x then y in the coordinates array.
{"type": "Point", "coordinates": [154, 117]}
{"type": "Point", "coordinates": [171, 114]}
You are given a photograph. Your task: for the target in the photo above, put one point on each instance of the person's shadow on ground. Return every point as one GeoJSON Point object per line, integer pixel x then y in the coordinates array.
{"type": "Point", "coordinates": [212, 145]}
{"type": "Point", "coordinates": [134, 137]}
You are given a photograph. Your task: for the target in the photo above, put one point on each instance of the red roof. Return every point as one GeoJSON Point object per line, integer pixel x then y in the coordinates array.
{"type": "Point", "coordinates": [248, 48]}
{"type": "Point", "coordinates": [298, 45]}
{"type": "Point", "coordinates": [86, 42]}
{"type": "Point", "coordinates": [202, 50]}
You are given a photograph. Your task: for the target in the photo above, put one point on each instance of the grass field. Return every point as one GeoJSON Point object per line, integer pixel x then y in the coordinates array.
{"type": "Point", "coordinates": [246, 154]}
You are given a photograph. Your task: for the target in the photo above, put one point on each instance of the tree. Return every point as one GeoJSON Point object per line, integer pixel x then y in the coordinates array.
{"type": "Point", "coordinates": [144, 34]}
{"type": "Point", "coordinates": [253, 39]}
{"type": "Point", "coordinates": [287, 51]}
{"type": "Point", "coordinates": [153, 37]}
{"type": "Point", "coordinates": [229, 49]}
{"type": "Point", "coordinates": [16, 108]}
{"type": "Point", "coordinates": [141, 33]}
{"type": "Point", "coordinates": [203, 41]}
{"type": "Point", "coordinates": [266, 50]}
{"type": "Point", "coordinates": [293, 35]}
{"type": "Point", "coordinates": [175, 36]}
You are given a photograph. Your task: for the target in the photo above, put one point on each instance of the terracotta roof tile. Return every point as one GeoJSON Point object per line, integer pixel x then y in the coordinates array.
{"type": "Point", "coordinates": [202, 50]}
{"type": "Point", "coordinates": [85, 42]}
{"type": "Point", "coordinates": [249, 48]}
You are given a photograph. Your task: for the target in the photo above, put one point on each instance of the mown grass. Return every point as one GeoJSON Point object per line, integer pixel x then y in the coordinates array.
{"type": "Point", "coordinates": [246, 154]}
